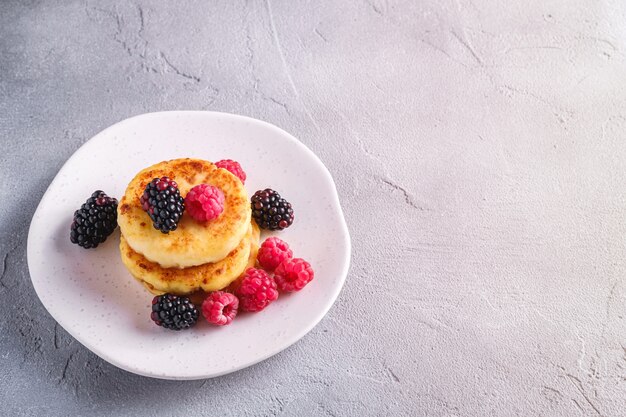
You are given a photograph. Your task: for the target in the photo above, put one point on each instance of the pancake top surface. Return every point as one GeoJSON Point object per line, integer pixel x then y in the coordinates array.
{"type": "Point", "coordinates": [193, 243]}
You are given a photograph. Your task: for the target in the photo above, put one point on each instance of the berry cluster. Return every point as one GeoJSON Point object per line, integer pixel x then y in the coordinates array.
{"type": "Point", "coordinates": [258, 288]}
{"type": "Point", "coordinates": [291, 274]}
{"type": "Point", "coordinates": [162, 201]}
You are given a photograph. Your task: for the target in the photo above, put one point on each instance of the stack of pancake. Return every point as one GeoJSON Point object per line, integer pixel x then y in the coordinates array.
{"type": "Point", "coordinates": [197, 256]}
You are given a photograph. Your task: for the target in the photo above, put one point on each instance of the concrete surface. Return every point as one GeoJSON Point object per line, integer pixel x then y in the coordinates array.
{"type": "Point", "coordinates": [478, 148]}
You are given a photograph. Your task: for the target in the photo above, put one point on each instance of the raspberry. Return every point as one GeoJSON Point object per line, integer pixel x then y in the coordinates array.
{"type": "Point", "coordinates": [272, 252]}
{"type": "Point", "coordinates": [233, 167]}
{"type": "Point", "coordinates": [173, 312]}
{"type": "Point", "coordinates": [293, 274]}
{"type": "Point", "coordinates": [94, 221]}
{"type": "Point", "coordinates": [204, 202]}
{"type": "Point", "coordinates": [270, 210]}
{"type": "Point", "coordinates": [162, 201]}
{"type": "Point", "coordinates": [220, 308]}
{"type": "Point", "coordinates": [257, 290]}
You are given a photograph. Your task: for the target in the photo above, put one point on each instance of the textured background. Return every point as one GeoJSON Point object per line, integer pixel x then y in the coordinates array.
{"type": "Point", "coordinates": [478, 148]}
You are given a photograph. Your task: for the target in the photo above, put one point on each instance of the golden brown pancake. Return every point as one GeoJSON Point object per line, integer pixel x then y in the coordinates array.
{"type": "Point", "coordinates": [193, 243]}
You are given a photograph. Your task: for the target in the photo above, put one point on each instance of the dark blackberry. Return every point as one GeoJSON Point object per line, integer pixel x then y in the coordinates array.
{"type": "Point", "coordinates": [173, 312]}
{"type": "Point", "coordinates": [94, 221]}
{"type": "Point", "coordinates": [270, 211]}
{"type": "Point", "coordinates": [162, 201]}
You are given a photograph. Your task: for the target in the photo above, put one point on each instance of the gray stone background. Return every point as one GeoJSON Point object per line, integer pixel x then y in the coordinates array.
{"type": "Point", "coordinates": [478, 147]}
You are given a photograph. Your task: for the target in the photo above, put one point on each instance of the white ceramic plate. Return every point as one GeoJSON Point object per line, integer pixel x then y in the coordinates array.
{"type": "Point", "coordinates": [94, 298]}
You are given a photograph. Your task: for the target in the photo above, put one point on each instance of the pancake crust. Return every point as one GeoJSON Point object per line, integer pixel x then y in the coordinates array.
{"type": "Point", "coordinates": [207, 277]}
{"type": "Point", "coordinates": [193, 243]}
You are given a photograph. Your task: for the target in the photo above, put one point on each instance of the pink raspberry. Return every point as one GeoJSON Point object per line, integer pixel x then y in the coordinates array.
{"type": "Point", "coordinates": [257, 290]}
{"type": "Point", "coordinates": [272, 252]}
{"type": "Point", "coordinates": [293, 274]}
{"type": "Point", "coordinates": [204, 202]}
{"type": "Point", "coordinates": [220, 308]}
{"type": "Point", "coordinates": [233, 167]}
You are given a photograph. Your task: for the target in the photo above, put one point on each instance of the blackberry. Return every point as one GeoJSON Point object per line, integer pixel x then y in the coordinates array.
{"type": "Point", "coordinates": [94, 221]}
{"type": "Point", "coordinates": [270, 210]}
{"type": "Point", "coordinates": [162, 201]}
{"type": "Point", "coordinates": [173, 312]}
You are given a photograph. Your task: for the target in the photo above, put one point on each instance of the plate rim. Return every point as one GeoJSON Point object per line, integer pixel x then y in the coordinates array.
{"type": "Point", "coordinates": [347, 255]}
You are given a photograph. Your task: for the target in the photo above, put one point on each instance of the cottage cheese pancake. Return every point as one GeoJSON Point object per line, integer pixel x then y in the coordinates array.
{"type": "Point", "coordinates": [207, 277]}
{"type": "Point", "coordinates": [193, 243]}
